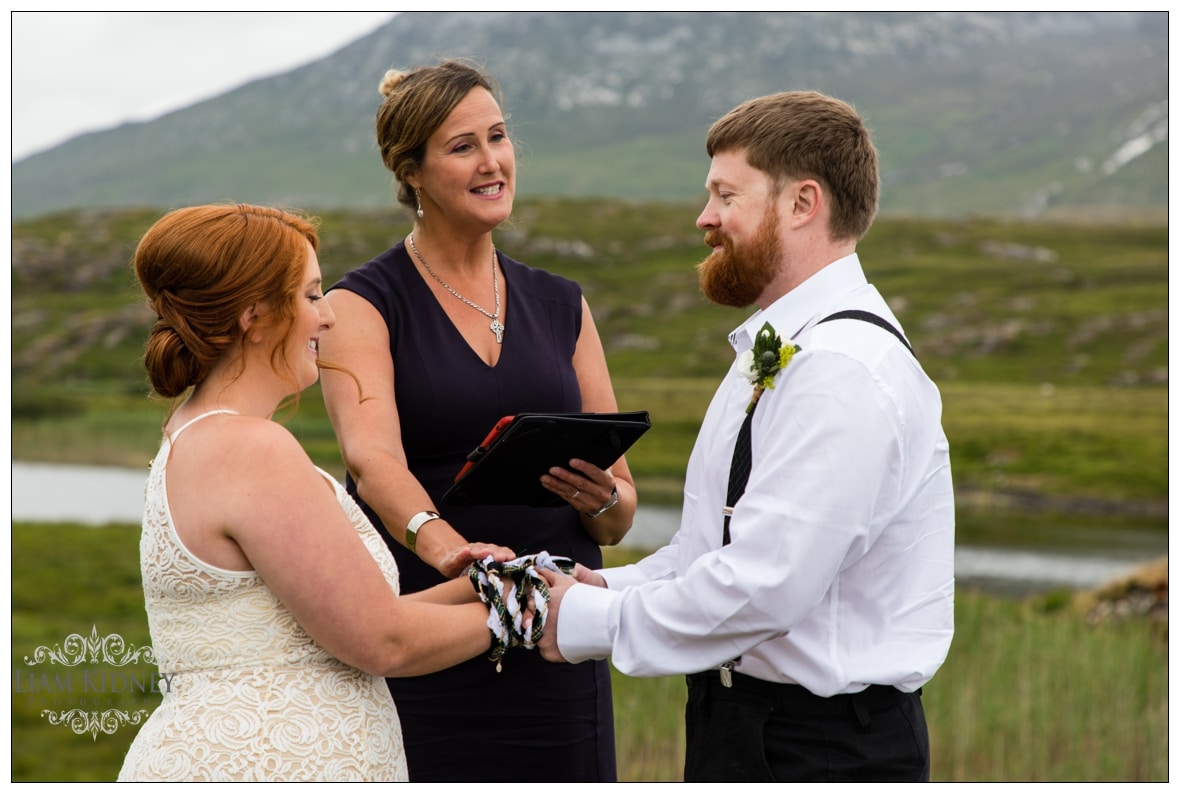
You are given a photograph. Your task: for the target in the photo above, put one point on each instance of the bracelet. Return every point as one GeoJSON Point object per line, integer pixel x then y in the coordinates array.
{"type": "Point", "coordinates": [614, 500]}
{"type": "Point", "coordinates": [415, 524]}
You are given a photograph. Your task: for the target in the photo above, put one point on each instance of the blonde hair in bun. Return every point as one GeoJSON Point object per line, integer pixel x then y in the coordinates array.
{"type": "Point", "coordinates": [390, 81]}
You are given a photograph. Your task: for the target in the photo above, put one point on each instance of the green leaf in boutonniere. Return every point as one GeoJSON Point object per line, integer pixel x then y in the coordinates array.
{"type": "Point", "coordinates": [768, 357]}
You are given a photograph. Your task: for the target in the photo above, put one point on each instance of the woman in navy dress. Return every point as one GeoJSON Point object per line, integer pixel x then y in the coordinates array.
{"type": "Point", "coordinates": [446, 335]}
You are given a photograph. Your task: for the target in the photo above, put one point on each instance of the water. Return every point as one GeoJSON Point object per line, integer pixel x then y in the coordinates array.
{"type": "Point", "coordinates": [1100, 555]}
{"type": "Point", "coordinates": [45, 492]}
{"type": "Point", "coordinates": [100, 495]}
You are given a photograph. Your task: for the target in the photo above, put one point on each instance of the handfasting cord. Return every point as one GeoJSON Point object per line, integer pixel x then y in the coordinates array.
{"type": "Point", "coordinates": [506, 588]}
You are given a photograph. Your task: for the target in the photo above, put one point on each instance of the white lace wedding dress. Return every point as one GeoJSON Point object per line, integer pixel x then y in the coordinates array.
{"type": "Point", "coordinates": [252, 697]}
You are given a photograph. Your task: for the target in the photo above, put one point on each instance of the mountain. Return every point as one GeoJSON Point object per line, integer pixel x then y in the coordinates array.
{"type": "Point", "coordinates": [1028, 114]}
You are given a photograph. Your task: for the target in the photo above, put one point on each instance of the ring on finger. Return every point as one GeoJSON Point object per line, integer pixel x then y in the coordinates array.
{"type": "Point", "coordinates": [576, 494]}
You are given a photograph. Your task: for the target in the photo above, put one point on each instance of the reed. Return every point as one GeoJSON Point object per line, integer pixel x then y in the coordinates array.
{"type": "Point", "coordinates": [1033, 693]}
{"type": "Point", "coordinates": [1049, 341]}
{"type": "Point", "coordinates": [1031, 690]}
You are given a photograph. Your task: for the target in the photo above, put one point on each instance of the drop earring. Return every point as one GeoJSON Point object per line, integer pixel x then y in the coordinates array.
{"type": "Point", "coordinates": [418, 196]}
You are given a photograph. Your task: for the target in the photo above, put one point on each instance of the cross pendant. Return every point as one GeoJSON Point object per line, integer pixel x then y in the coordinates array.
{"type": "Point", "coordinates": [497, 329]}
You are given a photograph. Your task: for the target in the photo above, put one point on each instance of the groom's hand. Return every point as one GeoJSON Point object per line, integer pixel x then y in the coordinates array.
{"type": "Point", "coordinates": [558, 584]}
{"type": "Point", "coordinates": [588, 576]}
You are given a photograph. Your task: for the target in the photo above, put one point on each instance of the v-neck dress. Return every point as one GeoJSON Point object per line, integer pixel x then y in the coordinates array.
{"type": "Point", "coordinates": [534, 720]}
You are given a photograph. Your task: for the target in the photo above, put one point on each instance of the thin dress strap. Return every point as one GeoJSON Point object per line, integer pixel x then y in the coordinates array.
{"type": "Point", "coordinates": [172, 438]}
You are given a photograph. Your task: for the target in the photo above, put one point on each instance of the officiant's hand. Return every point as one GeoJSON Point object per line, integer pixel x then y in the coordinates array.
{"type": "Point", "coordinates": [455, 561]}
{"type": "Point", "coordinates": [584, 486]}
{"type": "Point", "coordinates": [558, 584]}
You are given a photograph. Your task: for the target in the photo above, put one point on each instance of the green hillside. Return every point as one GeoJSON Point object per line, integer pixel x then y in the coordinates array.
{"type": "Point", "coordinates": [1015, 113]}
{"type": "Point", "coordinates": [1049, 341]}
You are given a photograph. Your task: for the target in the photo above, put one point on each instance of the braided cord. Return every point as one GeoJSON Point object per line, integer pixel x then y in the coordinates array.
{"type": "Point", "coordinates": [506, 588]}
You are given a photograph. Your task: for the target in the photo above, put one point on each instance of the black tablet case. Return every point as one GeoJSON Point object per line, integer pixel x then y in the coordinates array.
{"type": "Point", "coordinates": [506, 469]}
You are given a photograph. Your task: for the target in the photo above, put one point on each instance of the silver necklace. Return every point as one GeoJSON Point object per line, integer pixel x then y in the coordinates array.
{"type": "Point", "coordinates": [496, 326]}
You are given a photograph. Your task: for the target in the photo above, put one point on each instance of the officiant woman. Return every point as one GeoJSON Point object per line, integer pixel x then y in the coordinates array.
{"type": "Point", "coordinates": [447, 334]}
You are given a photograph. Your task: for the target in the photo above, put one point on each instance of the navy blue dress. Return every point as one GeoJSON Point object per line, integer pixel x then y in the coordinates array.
{"type": "Point", "coordinates": [534, 721]}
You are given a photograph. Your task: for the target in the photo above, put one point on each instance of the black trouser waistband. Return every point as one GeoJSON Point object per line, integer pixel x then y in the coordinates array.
{"type": "Point", "coordinates": [800, 701]}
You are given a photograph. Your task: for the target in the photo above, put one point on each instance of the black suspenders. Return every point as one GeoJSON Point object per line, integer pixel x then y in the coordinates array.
{"type": "Point", "coordinates": [739, 468]}
{"type": "Point", "coordinates": [869, 317]}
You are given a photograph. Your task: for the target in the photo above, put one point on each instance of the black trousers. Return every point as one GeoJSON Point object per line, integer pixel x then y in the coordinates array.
{"type": "Point", "coordinates": [756, 731]}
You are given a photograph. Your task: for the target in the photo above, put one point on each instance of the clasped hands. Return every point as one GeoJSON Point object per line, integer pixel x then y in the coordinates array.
{"type": "Point", "coordinates": [558, 583]}
{"type": "Point", "coordinates": [523, 598]}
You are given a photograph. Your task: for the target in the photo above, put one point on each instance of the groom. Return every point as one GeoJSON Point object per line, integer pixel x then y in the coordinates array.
{"type": "Point", "coordinates": [808, 593]}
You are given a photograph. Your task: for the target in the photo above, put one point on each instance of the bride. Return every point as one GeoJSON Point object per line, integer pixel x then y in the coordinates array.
{"type": "Point", "coordinates": [271, 600]}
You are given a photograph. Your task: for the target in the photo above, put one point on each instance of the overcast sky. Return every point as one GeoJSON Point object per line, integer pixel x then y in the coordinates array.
{"type": "Point", "coordinates": [76, 72]}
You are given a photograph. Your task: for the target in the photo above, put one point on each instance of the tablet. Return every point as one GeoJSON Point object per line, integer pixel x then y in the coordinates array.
{"type": "Point", "coordinates": [506, 468]}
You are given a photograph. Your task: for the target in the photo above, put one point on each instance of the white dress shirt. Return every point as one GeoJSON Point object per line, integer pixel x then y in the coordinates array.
{"type": "Point", "coordinates": [840, 570]}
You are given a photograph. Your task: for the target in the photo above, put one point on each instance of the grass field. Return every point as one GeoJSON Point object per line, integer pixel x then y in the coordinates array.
{"type": "Point", "coordinates": [1049, 343]}
{"type": "Point", "coordinates": [1026, 693]}
{"type": "Point", "coordinates": [1071, 446]}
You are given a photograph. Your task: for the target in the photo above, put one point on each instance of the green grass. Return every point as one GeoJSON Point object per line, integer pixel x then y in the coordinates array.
{"type": "Point", "coordinates": [68, 579]}
{"type": "Point", "coordinates": [1049, 343]}
{"type": "Point", "coordinates": [1059, 441]}
{"type": "Point", "coordinates": [1065, 445]}
{"type": "Point", "coordinates": [1048, 340]}
{"type": "Point", "coordinates": [1023, 696]}
{"type": "Point", "coordinates": [1030, 691]}
{"type": "Point", "coordinates": [1033, 695]}
{"type": "Point", "coordinates": [982, 300]}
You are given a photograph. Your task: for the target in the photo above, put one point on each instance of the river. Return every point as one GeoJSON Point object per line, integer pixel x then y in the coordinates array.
{"type": "Point", "coordinates": [100, 495]}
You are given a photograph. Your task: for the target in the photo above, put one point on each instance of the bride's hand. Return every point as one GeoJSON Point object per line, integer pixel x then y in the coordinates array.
{"type": "Point", "coordinates": [455, 561]}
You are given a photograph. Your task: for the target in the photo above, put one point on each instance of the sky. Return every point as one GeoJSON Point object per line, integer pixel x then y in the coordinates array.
{"type": "Point", "coordinates": [76, 72]}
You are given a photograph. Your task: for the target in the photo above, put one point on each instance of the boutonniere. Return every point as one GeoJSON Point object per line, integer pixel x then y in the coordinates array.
{"type": "Point", "coordinates": [768, 357]}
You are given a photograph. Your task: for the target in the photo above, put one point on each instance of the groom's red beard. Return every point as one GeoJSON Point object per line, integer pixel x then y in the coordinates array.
{"type": "Point", "coordinates": [740, 272]}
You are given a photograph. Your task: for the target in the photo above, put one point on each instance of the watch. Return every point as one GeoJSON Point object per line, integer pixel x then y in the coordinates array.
{"type": "Point", "coordinates": [614, 500]}
{"type": "Point", "coordinates": [415, 524]}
